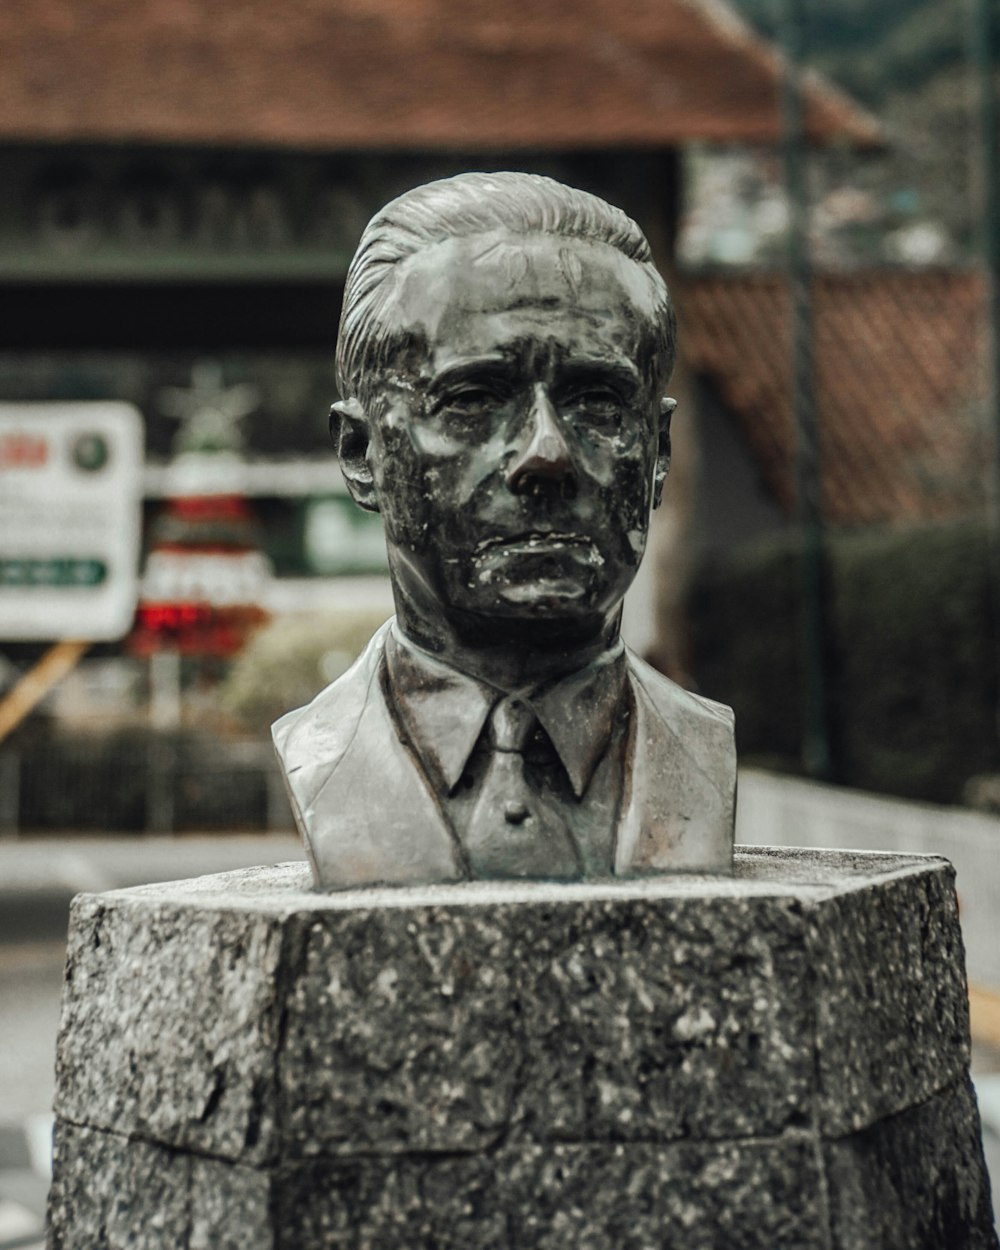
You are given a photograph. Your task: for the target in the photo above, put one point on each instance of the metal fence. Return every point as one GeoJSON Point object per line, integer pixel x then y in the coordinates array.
{"type": "Point", "coordinates": [140, 781]}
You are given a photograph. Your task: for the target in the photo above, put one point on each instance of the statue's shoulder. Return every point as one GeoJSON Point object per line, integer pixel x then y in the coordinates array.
{"type": "Point", "coordinates": [324, 728]}
{"type": "Point", "coordinates": [684, 711]}
{"type": "Point", "coordinates": [683, 800]}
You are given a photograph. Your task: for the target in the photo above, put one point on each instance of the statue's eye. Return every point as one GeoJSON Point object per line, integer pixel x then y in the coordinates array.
{"type": "Point", "coordinates": [468, 410]}
{"type": "Point", "coordinates": [470, 399]}
{"type": "Point", "coordinates": [597, 407]}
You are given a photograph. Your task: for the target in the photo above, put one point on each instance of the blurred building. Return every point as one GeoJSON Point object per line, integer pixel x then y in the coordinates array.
{"type": "Point", "coordinates": [899, 392]}
{"type": "Point", "coordinates": [185, 180]}
{"type": "Point", "coordinates": [184, 185]}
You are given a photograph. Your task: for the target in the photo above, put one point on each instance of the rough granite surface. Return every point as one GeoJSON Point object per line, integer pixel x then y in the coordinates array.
{"type": "Point", "coordinates": [693, 1062]}
{"type": "Point", "coordinates": [887, 1189]}
{"type": "Point", "coordinates": [118, 1193]}
{"type": "Point", "coordinates": [565, 1197]}
{"type": "Point", "coordinates": [892, 1023]}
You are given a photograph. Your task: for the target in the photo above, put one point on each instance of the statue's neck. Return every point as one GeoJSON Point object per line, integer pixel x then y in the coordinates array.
{"type": "Point", "coordinates": [510, 655]}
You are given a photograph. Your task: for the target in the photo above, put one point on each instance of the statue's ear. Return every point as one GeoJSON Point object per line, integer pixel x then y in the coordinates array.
{"type": "Point", "coordinates": [667, 406]}
{"type": "Point", "coordinates": [350, 431]}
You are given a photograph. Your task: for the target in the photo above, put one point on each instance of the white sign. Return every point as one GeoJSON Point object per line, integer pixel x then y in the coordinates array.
{"type": "Point", "coordinates": [70, 517]}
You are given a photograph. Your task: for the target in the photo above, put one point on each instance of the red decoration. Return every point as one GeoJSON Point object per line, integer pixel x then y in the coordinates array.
{"type": "Point", "coordinates": [202, 579]}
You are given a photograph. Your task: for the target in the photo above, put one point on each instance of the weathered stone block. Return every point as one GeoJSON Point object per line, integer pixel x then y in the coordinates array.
{"type": "Point", "coordinates": [690, 1062]}
{"type": "Point", "coordinates": [892, 1013]}
{"type": "Point", "coordinates": [170, 1024]}
{"type": "Point", "coordinates": [121, 1193]}
{"type": "Point", "coordinates": [888, 1189]}
{"type": "Point", "coordinates": [633, 1196]}
{"type": "Point", "coordinates": [594, 1020]}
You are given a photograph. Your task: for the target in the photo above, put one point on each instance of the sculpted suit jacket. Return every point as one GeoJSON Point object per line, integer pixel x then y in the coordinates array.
{"type": "Point", "coordinates": [368, 816]}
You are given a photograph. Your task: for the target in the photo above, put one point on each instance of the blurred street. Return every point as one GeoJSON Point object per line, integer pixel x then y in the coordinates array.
{"type": "Point", "coordinates": [38, 878]}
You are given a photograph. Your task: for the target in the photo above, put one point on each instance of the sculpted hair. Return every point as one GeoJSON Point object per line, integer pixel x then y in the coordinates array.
{"type": "Point", "coordinates": [471, 204]}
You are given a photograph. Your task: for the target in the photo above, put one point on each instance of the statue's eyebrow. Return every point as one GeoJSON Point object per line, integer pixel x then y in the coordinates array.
{"type": "Point", "coordinates": [492, 365]}
{"type": "Point", "coordinates": [622, 372]}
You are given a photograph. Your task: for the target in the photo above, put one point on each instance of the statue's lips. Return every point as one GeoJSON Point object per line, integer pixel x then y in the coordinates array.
{"type": "Point", "coordinates": [537, 542]}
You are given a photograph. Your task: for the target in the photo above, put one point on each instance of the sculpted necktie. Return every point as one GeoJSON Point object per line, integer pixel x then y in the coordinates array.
{"type": "Point", "coordinates": [516, 829]}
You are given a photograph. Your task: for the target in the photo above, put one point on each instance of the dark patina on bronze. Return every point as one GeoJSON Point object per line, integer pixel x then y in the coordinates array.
{"type": "Point", "coordinates": [504, 351]}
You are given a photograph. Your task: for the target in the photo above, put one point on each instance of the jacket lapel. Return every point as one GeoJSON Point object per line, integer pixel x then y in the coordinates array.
{"type": "Point", "coordinates": [360, 800]}
{"type": "Point", "coordinates": [679, 801]}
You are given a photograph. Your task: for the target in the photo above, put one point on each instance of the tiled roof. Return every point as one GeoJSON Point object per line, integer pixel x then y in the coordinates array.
{"type": "Point", "coordinates": [897, 369]}
{"type": "Point", "coordinates": [385, 74]}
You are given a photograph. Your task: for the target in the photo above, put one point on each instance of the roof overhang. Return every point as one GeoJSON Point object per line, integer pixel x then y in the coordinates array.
{"type": "Point", "coordinates": [463, 75]}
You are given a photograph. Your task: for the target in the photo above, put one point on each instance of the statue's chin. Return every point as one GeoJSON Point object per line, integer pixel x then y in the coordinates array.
{"type": "Point", "coordinates": [546, 596]}
{"type": "Point", "coordinates": [518, 597]}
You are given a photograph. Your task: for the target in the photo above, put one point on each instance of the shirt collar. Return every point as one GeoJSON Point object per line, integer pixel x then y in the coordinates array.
{"type": "Point", "coordinates": [444, 710]}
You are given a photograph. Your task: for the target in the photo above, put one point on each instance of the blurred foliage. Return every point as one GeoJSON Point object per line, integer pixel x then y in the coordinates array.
{"type": "Point", "coordinates": [287, 662]}
{"type": "Point", "coordinates": [912, 655]}
{"type": "Point", "coordinates": [873, 48]}
{"type": "Point", "coordinates": [911, 63]}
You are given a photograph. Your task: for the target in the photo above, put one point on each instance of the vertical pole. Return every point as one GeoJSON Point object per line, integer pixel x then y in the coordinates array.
{"type": "Point", "coordinates": [165, 691]}
{"type": "Point", "coordinates": [164, 719]}
{"type": "Point", "coordinates": [10, 792]}
{"type": "Point", "coordinates": [816, 753]}
{"type": "Point", "coordinates": [983, 51]}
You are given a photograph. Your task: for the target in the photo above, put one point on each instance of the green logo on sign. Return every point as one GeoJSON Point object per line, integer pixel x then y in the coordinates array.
{"type": "Point", "coordinates": [64, 571]}
{"type": "Point", "coordinates": [91, 452]}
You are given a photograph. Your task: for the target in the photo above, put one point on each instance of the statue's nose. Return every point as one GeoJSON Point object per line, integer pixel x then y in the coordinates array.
{"type": "Point", "coordinates": [545, 464]}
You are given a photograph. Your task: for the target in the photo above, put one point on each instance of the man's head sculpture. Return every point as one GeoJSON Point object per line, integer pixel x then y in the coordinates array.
{"type": "Point", "coordinates": [504, 352]}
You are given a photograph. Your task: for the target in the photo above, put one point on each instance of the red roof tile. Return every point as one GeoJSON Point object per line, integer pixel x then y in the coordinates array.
{"type": "Point", "coordinates": [898, 385]}
{"type": "Point", "coordinates": [466, 74]}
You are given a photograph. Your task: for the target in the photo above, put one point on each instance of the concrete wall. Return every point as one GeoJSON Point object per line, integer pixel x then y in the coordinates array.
{"type": "Point", "coordinates": [783, 811]}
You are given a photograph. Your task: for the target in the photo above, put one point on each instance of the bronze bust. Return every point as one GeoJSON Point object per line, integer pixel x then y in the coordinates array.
{"type": "Point", "coordinates": [504, 351]}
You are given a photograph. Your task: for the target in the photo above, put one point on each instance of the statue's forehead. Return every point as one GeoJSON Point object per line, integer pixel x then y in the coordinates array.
{"type": "Point", "coordinates": [502, 272]}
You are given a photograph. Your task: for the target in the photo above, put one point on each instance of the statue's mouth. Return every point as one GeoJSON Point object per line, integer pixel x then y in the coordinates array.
{"type": "Point", "coordinates": [532, 542]}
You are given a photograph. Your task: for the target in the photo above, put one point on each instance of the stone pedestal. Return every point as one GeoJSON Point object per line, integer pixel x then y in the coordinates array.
{"type": "Point", "coordinates": [778, 1060]}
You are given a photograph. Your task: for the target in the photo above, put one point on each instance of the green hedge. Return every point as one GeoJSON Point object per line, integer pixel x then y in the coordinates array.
{"type": "Point", "coordinates": [912, 655]}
